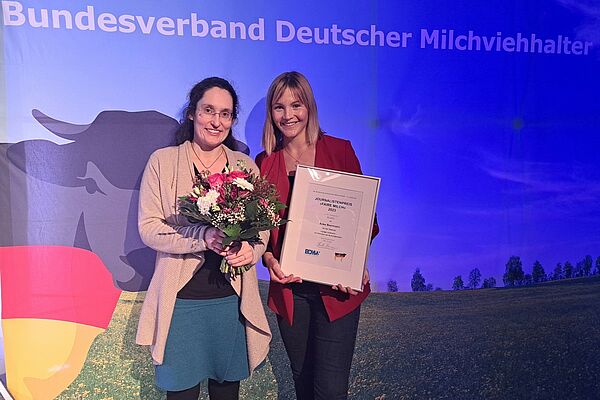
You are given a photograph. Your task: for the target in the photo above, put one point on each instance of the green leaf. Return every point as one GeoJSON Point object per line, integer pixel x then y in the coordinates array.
{"type": "Point", "coordinates": [252, 210]}
{"type": "Point", "coordinates": [248, 234]}
{"type": "Point", "coordinates": [279, 206]}
{"type": "Point", "coordinates": [233, 231]}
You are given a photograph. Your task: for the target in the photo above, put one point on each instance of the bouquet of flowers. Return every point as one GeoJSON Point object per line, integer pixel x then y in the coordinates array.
{"type": "Point", "coordinates": [238, 202]}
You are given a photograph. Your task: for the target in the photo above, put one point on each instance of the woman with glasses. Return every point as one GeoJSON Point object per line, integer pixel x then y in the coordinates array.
{"type": "Point", "coordinates": [318, 323]}
{"type": "Point", "coordinates": [199, 323]}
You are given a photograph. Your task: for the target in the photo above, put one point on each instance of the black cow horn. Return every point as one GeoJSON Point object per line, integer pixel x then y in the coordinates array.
{"type": "Point", "coordinates": [61, 129]}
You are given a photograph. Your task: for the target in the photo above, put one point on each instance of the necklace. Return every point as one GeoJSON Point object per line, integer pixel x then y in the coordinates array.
{"type": "Point", "coordinates": [297, 159]}
{"type": "Point", "coordinates": [207, 167]}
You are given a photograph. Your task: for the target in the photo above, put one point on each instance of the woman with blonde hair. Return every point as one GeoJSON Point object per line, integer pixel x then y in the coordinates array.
{"type": "Point", "coordinates": [318, 323]}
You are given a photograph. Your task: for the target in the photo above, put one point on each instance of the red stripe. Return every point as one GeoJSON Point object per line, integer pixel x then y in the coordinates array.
{"type": "Point", "coordinates": [55, 282]}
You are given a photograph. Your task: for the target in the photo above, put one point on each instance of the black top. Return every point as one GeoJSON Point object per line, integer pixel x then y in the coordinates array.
{"type": "Point", "coordinates": [291, 179]}
{"type": "Point", "coordinates": [208, 282]}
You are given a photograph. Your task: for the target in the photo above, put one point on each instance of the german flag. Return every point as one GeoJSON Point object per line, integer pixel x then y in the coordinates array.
{"type": "Point", "coordinates": [55, 301]}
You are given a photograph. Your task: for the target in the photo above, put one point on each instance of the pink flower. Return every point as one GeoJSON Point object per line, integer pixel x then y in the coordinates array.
{"type": "Point", "coordinates": [216, 180]}
{"type": "Point", "coordinates": [236, 174]}
{"type": "Point", "coordinates": [222, 200]}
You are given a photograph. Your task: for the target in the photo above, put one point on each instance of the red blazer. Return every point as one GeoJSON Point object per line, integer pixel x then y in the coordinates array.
{"type": "Point", "coordinates": [331, 153]}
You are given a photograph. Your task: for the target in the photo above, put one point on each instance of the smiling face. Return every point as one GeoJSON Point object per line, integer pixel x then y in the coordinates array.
{"type": "Point", "coordinates": [290, 116]}
{"type": "Point", "coordinates": [210, 126]}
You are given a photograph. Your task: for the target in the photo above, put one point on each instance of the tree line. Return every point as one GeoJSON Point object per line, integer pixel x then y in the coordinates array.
{"type": "Point", "coordinates": [514, 275]}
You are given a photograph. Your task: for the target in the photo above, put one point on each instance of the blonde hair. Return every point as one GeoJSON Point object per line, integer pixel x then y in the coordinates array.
{"type": "Point", "coordinates": [300, 88]}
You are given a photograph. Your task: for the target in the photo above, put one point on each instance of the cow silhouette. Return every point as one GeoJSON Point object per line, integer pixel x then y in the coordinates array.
{"type": "Point", "coordinates": [85, 193]}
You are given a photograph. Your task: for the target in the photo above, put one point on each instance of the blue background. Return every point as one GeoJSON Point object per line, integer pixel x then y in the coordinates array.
{"type": "Point", "coordinates": [482, 155]}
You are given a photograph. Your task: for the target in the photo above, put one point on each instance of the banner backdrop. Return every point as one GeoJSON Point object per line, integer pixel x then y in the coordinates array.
{"type": "Point", "coordinates": [479, 117]}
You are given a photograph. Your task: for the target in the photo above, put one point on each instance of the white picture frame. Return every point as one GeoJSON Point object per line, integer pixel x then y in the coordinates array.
{"type": "Point", "coordinates": [328, 235]}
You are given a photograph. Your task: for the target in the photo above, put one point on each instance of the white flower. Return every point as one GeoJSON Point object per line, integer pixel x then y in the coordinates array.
{"type": "Point", "coordinates": [244, 184]}
{"type": "Point", "coordinates": [207, 201]}
{"type": "Point", "coordinates": [196, 191]}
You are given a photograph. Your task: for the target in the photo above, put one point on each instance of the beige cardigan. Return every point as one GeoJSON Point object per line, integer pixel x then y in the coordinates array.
{"type": "Point", "coordinates": [180, 247]}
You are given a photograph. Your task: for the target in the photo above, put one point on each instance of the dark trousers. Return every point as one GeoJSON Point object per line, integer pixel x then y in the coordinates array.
{"type": "Point", "coordinates": [320, 351]}
{"type": "Point", "coordinates": [216, 391]}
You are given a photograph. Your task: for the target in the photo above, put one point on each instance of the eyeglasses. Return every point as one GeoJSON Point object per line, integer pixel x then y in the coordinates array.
{"type": "Point", "coordinates": [209, 112]}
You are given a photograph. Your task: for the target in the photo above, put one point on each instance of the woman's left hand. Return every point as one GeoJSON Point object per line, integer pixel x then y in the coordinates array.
{"type": "Point", "coordinates": [240, 255]}
{"type": "Point", "coordinates": [345, 289]}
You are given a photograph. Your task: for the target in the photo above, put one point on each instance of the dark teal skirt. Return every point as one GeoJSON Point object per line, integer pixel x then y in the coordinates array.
{"type": "Point", "coordinates": [207, 339]}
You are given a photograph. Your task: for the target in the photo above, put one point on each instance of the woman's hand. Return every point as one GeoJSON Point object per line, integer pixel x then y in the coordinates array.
{"type": "Point", "coordinates": [275, 271]}
{"type": "Point", "coordinates": [349, 290]}
{"type": "Point", "coordinates": [214, 239]}
{"type": "Point", "coordinates": [239, 255]}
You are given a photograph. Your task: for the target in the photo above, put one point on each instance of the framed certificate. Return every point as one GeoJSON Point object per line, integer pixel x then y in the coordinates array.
{"type": "Point", "coordinates": [328, 235]}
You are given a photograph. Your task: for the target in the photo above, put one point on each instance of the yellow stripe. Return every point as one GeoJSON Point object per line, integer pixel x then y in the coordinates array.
{"type": "Point", "coordinates": [44, 356]}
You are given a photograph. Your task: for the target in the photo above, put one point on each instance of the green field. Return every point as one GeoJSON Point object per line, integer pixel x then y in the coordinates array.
{"type": "Point", "coordinates": [539, 342]}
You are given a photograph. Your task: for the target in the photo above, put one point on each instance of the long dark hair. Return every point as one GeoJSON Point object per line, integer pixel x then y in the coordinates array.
{"type": "Point", "coordinates": [186, 127]}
